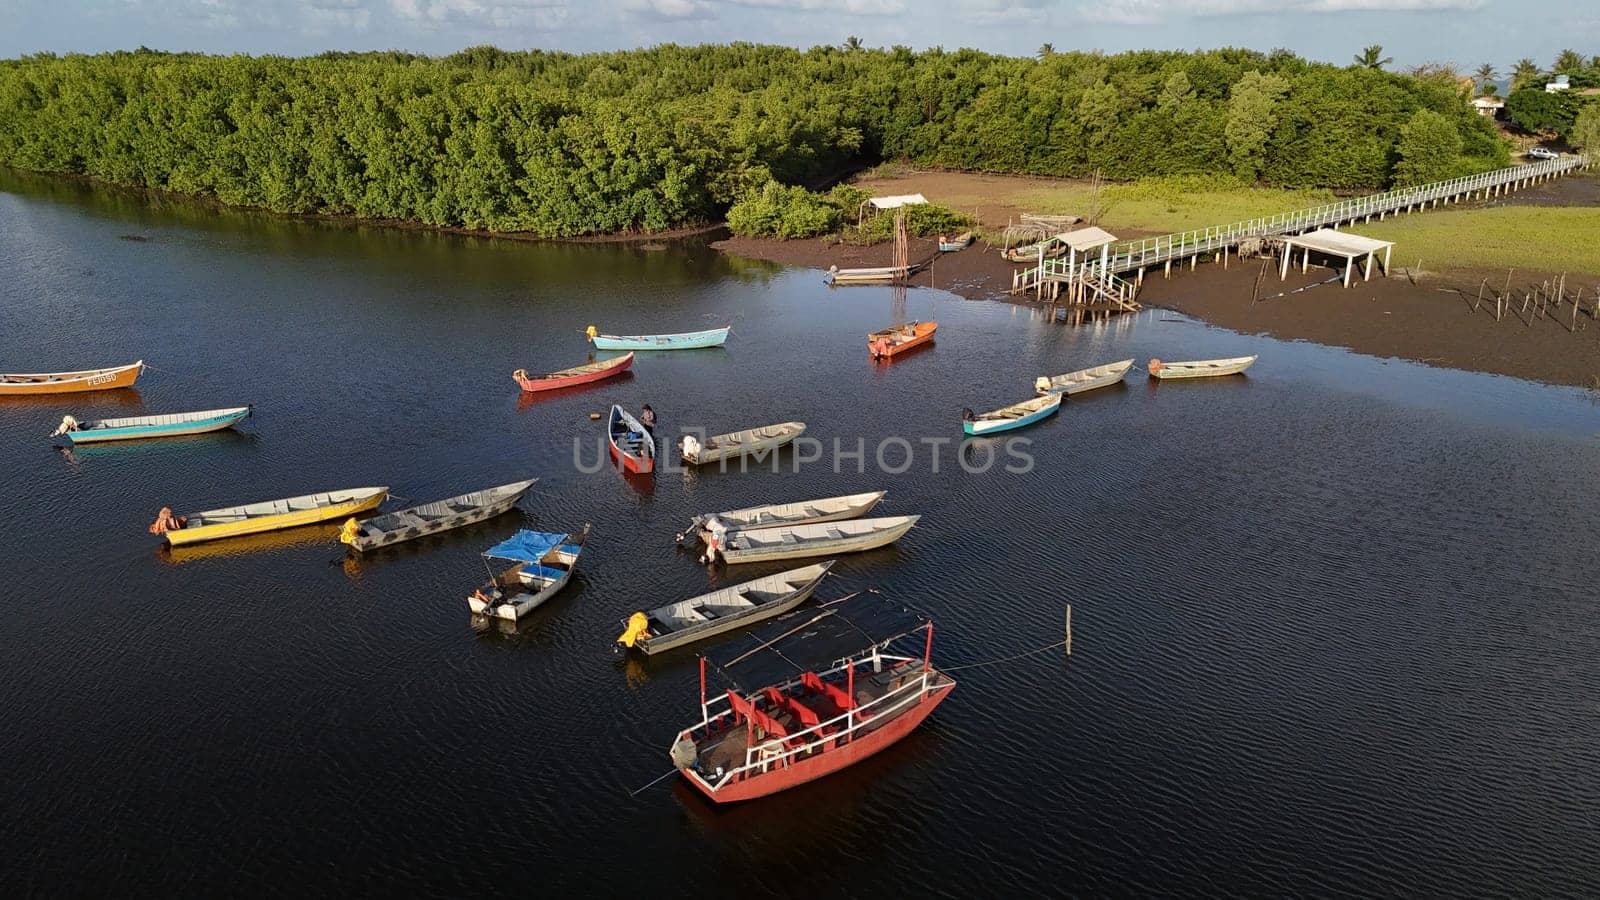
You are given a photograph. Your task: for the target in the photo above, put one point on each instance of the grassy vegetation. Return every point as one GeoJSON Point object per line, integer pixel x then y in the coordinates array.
{"type": "Point", "coordinates": [1530, 238]}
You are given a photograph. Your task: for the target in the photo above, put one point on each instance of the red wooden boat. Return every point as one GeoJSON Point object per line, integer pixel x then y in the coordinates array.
{"type": "Point", "coordinates": [632, 445]}
{"type": "Point", "coordinates": [749, 746]}
{"type": "Point", "coordinates": [576, 375]}
{"type": "Point", "coordinates": [890, 341]}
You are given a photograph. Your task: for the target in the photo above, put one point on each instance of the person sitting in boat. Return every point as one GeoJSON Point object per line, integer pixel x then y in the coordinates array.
{"type": "Point", "coordinates": [716, 538]}
{"type": "Point", "coordinates": [647, 418]}
{"type": "Point", "coordinates": [691, 446]}
{"type": "Point", "coordinates": [166, 521]}
{"type": "Point", "coordinates": [68, 424]}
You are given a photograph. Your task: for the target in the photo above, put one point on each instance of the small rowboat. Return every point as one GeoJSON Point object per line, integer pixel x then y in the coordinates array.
{"type": "Point", "coordinates": [254, 518]}
{"type": "Point", "coordinates": [740, 443]}
{"type": "Point", "coordinates": [72, 382]}
{"type": "Point", "coordinates": [689, 340]}
{"type": "Point", "coordinates": [1084, 379]}
{"type": "Point", "coordinates": [632, 445]}
{"type": "Point", "coordinates": [806, 512]}
{"type": "Point", "coordinates": [544, 564]}
{"type": "Point", "coordinates": [872, 275]}
{"type": "Point", "coordinates": [890, 341]}
{"type": "Point", "coordinates": [1199, 368]}
{"type": "Point", "coordinates": [719, 612]}
{"type": "Point", "coordinates": [595, 371]}
{"type": "Point", "coordinates": [432, 518]}
{"type": "Point", "coordinates": [172, 425]}
{"type": "Point", "coordinates": [959, 242]}
{"type": "Point", "coordinates": [1017, 415]}
{"type": "Point", "coordinates": [1030, 253]}
{"type": "Point", "coordinates": [824, 539]}
{"type": "Point", "coordinates": [750, 745]}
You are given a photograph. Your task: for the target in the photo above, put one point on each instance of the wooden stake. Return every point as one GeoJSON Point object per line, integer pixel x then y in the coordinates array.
{"type": "Point", "coordinates": [1069, 629]}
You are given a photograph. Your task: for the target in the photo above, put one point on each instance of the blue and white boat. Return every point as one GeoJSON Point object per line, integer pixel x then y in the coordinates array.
{"type": "Point", "coordinates": [170, 425]}
{"type": "Point", "coordinates": [544, 564]}
{"type": "Point", "coordinates": [1017, 415]}
{"type": "Point", "coordinates": [689, 340]}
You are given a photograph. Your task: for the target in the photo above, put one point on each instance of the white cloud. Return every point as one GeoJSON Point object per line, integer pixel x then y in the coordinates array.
{"type": "Point", "coordinates": [667, 10]}
{"type": "Point", "coordinates": [1150, 12]}
{"type": "Point", "coordinates": [335, 16]}
{"type": "Point", "coordinates": [482, 15]}
{"type": "Point", "coordinates": [850, 7]}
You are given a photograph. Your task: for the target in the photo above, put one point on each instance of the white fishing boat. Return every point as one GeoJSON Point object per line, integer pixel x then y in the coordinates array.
{"type": "Point", "coordinates": [1199, 368]}
{"type": "Point", "coordinates": [821, 539]}
{"type": "Point", "coordinates": [805, 512]}
{"type": "Point", "coordinates": [544, 564]}
{"type": "Point", "coordinates": [1084, 379]}
{"type": "Point", "coordinates": [739, 443]}
{"type": "Point", "coordinates": [432, 518]}
{"type": "Point", "coordinates": [719, 612]}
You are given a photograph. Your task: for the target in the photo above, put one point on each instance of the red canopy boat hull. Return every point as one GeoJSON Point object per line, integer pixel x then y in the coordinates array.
{"type": "Point", "coordinates": [632, 464]}
{"type": "Point", "coordinates": [570, 377]}
{"type": "Point", "coordinates": [781, 778]}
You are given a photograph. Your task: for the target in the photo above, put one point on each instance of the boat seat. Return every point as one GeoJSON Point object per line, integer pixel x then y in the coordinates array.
{"type": "Point", "coordinates": [833, 692]}
{"type": "Point", "coordinates": [541, 571]}
{"type": "Point", "coordinates": [805, 715]}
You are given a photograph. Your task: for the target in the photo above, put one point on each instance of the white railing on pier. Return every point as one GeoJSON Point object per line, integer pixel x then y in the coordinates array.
{"type": "Point", "coordinates": [1133, 255]}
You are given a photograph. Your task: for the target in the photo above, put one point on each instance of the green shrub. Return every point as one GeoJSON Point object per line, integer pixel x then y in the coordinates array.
{"type": "Point", "coordinates": [923, 220]}
{"type": "Point", "coordinates": [785, 212]}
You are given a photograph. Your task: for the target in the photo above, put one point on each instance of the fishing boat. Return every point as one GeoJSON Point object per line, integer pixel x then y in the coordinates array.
{"type": "Point", "coordinates": [595, 371]}
{"type": "Point", "coordinates": [689, 340]}
{"type": "Point", "coordinates": [1030, 253]}
{"type": "Point", "coordinates": [170, 425]}
{"type": "Point", "coordinates": [891, 341]}
{"type": "Point", "coordinates": [72, 382]}
{"type": "Point", "coordinates": [739, 443]}
{"type": "Point", "coordinates": [751, 744]}
{"type": "Point", "coordinates": [1199, 368]}
{"type": "Point", "coordinates": [1017, 415]}
{"type": "Point", "coordinates": [870, 275]}
{"type": "Point", "coordinates": [1084, 379]}
{"type": "Point", "coordinates": [817, 539]}
{"type": "Point", "coordinates": [805, 512]}
{"type": "Point", "coordinates": [719, 612]}
{"type": "Point", "coordinates": [432, 518]}
{"type": "Point", "coordinates": [254, 518]}
{"type": "Point", "coordinates": [960, 242]}
{"type": "Point", "coordinates": [544, 563]}
{"type": "Point", "coordinates": [632, 445]}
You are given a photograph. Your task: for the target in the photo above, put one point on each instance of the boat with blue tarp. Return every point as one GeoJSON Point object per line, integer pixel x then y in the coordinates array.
{"type": "Point", "coordinates": [544, 562]}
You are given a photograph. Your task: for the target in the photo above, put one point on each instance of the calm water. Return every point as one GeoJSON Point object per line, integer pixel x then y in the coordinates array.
{"type": "Point", "coordinates": [1335, 625]}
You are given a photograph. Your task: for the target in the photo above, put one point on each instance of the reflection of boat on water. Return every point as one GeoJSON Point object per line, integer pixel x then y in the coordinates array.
{"type": "Point", "coordinates": [320, 536]}
{"type": "Point", "coordinates": [270, 515]}
{"type": "Point", "coordinates": [526, 400]}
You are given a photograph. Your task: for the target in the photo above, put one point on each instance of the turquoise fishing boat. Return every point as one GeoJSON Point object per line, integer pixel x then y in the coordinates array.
{"type": "Point", "coordinates": [171, 425]}
{"type": "Point", "coordinates": [690, 340]}
{"type": "Point", "coordinates": [1017, 415]}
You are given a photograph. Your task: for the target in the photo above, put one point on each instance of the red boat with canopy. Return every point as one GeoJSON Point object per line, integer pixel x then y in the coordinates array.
{"type": "Point", "coordinates": [751, 743]}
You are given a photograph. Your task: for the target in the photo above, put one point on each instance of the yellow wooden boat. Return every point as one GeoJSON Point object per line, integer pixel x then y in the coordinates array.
{"type": "Point", "coordinates": [255, 518]}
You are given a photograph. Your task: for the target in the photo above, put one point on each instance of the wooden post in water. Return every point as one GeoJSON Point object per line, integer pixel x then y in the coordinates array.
{"type": "Point", "coordinates": [1069, 629]}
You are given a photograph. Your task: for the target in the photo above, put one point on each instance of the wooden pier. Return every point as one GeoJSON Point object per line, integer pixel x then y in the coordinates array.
{"type": "Point", "coordinates": [1094, 285]}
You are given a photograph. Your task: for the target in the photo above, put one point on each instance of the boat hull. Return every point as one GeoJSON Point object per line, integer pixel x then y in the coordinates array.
{"type": "Point", "coordinates": [925, 333]}
{"type": "Point", "coordinates": [994, 426]}
{"type": "Point", "coordinates": [694, 340]}
{"type": "Point", "coordinates": [718, 454]}
{"type": "Point", "coordinates": [861, 505]}
{"type": "Point", "coordinates": [637, 463]}
{"type": "Point", "coordinates": [74, 382]}
{"type": "Point", "coordinates": [176, 429]}
{"type": "Point", "coordinates": [852, 544]}
{"type": "Point", "coordinates": [1119, 371]}
{"type": "Point", "coordinates": [724, 625]}
{"type": "Point", "coordinates": [824, 764]}
{"type": "Point", "coordinates": [185, 536]}
{"type": "Point", "coordinates": [367, 539]}
{"type": "Point", "coordinates": [556, 381]}
{"type": "Point", "coordinates": [1182, 371]}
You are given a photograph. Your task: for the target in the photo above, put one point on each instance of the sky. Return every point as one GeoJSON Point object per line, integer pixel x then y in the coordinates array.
{"type": "Point", "coordinates": [1414, 32]}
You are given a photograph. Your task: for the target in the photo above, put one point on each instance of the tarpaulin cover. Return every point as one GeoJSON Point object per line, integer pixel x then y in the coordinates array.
{"type": "Point", "coordinates": [525, 546]}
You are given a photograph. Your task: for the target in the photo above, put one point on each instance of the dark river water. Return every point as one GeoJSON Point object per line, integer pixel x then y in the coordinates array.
{"type": "Point", "coordinates": [1335, 623]}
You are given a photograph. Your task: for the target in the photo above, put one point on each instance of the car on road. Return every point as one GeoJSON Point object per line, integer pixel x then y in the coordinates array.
{"type": "Point", "coordinates": [1542, 153]}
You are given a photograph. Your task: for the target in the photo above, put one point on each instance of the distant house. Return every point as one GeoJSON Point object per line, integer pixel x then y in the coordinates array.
{"type": "Point", "coordinates": [1558, 83]}
{"type": "Point", "coordinates": [1489, 107]}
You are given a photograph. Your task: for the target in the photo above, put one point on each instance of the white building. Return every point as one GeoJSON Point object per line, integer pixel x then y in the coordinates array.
{"type": "Point", "coordinates": [1558, 83]}
{"type": "Point", "coordinates": [1489, 107]}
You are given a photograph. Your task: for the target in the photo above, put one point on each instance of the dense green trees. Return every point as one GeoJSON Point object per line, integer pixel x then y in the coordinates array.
{"type": "Point", "coordinates": [1535, 110]}
{"type": "Point", "coordinates": [1428, 149]}
{"type": "Point", "coordinates": [562, 144]}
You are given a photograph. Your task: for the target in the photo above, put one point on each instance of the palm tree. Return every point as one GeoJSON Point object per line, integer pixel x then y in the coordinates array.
{"type": "Point", "coordinates": [1568, 62]}
{"type": "Point", "coordinates": [852, 43]}
{"type": "Point", "coordinates": [1525, 72]}
{"type": "Point", "coordinates": [1047, 50]}
{"type": "Point", "coordinates": [1372, 57]}
{"type": "Point", "coordinates": [1485, 76]}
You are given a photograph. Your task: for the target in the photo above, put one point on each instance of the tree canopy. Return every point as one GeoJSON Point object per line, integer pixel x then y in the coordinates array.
{"type": "Point", "coordinates": [564, 144]}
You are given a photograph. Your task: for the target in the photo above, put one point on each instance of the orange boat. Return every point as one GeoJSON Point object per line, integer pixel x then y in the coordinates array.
{"type": "Point", "coordinates": [886, 343]}
{"type": "Point", "coordinates": [72, 382]}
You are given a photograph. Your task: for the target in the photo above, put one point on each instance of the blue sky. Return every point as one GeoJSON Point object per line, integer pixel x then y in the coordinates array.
{"type": "Point", "coordinates": [1466, 32]}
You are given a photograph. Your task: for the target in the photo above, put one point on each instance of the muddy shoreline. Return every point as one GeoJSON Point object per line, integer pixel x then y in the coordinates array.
{"type": "Point", "coordinates": [1427, 317]}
